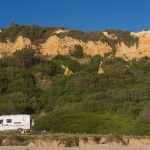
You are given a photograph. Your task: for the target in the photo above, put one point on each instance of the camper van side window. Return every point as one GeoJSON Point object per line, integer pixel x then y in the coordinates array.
{"type": "Point", "coordinates": [1, 121]}
{"type": "Point", "coordinates": [8, 121]}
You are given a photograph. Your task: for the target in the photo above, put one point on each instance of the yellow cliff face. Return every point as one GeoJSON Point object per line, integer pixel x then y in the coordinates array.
{"type": "Point", "coordinates": [10, 47]}
{"type": "Point", "coordinates": [94, 48]}
{"type": "Point", "coordinates": [143, 48]}
{"type": "Point", "coordinates": [6, 48]}
{"type": "Point", "coordinates": [55, 45]}
{"type": "Point", "coordinates": [144, 43]}
{"type": "Point", "coordinates": [20, 43]}
{"type": "Point", "coordinates": [126, 52]}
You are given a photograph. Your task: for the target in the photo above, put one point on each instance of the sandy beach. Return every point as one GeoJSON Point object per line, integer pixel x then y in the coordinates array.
{"type": "Point", "coordinates": [90, 147]}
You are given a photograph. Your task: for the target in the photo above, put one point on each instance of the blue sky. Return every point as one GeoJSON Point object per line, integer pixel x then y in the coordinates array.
{"type": "Point", "coordinates": [86, 15]}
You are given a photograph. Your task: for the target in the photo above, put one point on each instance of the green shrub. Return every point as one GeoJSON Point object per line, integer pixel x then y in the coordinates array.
{"type": "Point", "coordinates": [1, 139]}
{"type": "Point", "coordinates": [115, 138]}
{"type": "Point", "coordinates": [84, 36]}
{"type": "Point", "coordinates": [93, 65]}
{"type": "Point", "coordinates": [21, 80]}
{"type": "Point", "coordinates": [18, 103]}
{"type": "Point", "coordinates": [72, 64]}
{"type": "Point", "coordinates": [71, 142]}
{"type": "Point", "coordinates": [124, 36]}
{"type": "Point", "coordinates": [85, 139]}
{"type": "Point", "coordinates": [25, 58]}
{"type": "Point", "coordinates": [35, 33]}
{"type": "Point", "coordinates": [96, 139]}
{"type": "Point", "coordinates": [18, 138]}
{"type": "Point", "coordinates": [145, 114]}
{"type": "Point", "coordinates": [46, 67]}
{"type": "Point", "coordinates": [4, 81]}
{"type": "Point", "coordinates": [77, 52]}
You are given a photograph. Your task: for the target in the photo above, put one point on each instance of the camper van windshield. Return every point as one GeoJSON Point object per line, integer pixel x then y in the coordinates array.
{"type": "Point", "coordinates": [1, 121]}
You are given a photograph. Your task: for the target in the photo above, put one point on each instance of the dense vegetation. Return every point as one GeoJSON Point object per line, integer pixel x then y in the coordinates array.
{"type": "Point", "coordinates": [77, 52]}
{"type": "Point", "coordinates": [35, 33]}
{"type": "Point", "coordinates": [117, 101]}
{"type": "Point", "coordinates": [123, 36]}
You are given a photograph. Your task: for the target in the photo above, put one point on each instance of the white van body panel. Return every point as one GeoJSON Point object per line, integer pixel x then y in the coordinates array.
{"type": "Point", "coordinates": [14, 122]}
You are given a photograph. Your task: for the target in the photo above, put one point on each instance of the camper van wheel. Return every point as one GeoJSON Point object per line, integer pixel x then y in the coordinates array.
{"type": "Point", "coordinates": [20, 129]}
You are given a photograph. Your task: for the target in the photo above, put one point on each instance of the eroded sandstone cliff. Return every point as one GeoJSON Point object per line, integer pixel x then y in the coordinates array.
{"type": "Point", "coordinates": [56, 44]}
{"type": "Point", "coordinates": [143, 48]}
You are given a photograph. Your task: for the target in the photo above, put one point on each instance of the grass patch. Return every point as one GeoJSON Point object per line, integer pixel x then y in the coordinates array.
{"type": "Point", "coordinates": [93, 123]}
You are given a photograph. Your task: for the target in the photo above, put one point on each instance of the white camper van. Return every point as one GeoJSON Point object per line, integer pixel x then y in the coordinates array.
{"type": "Point", "coordinates": [15, 122]}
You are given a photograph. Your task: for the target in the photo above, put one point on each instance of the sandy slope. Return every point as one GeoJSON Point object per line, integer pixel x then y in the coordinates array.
{"type": "Point", "coordinates": [91, 147]}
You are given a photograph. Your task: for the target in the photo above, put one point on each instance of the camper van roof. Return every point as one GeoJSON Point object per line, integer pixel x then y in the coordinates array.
{"type": "Point", "coordinates": [13, 115]}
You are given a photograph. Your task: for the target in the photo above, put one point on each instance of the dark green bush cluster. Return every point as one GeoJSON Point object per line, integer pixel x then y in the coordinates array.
{"type": "Point", "coordinates": [70, 142]}
{"type": "Point", "coordinates": [67, 61]}
{"type": "Point", "coordinates": [77, 52]}
{"type": "Point", "coordinates": [83, 36]}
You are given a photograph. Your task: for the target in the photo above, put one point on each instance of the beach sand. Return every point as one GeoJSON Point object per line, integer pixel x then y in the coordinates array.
{"type": "Point", "coordinates": [90, 147]}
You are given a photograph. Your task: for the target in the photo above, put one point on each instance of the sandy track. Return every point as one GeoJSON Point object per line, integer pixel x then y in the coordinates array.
{"type": "Point", "coordinates": [91, 147]}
